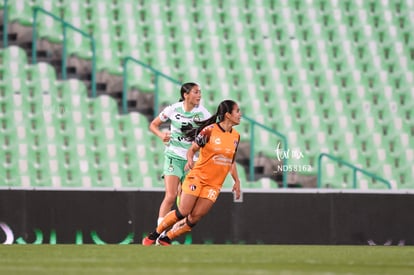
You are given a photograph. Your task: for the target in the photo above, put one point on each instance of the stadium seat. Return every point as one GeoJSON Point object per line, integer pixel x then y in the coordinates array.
{"type": "Point", "coordinates": [321, 72]}
{"type": "Point", "coordinates": [48, 27]}
{"type": "Point", "coordinates": [21, 12]}
{"type": "Point", "coordinates": [263, 183]}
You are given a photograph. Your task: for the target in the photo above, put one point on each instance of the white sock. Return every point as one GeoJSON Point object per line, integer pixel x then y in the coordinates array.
{"type": "Point", "coordinates": [158, 223]}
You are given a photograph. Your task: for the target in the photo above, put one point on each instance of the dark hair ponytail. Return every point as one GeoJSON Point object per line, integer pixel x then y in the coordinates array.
{"type": "Point", "coordinates": [186, 88]}
{"type": "Point", "coordinates": [224, 107]}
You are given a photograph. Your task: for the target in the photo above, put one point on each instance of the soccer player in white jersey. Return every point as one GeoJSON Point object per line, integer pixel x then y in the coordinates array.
{"type": "Point", "coordinates": [182, 116]}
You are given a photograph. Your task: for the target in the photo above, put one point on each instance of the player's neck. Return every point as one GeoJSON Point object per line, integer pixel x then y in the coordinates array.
{"type": "Point", "coordinates": [188, 107]}
{"type": "Point", "coordinates": [226, 125]}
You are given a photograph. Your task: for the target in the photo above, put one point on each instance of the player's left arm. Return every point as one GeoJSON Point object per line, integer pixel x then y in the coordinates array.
{"type": "Point", "coordinates": [234, 174]}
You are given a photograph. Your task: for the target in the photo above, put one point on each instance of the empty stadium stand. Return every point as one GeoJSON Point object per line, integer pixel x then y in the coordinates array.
{"type": "Point", "coordinates": [334, 76]}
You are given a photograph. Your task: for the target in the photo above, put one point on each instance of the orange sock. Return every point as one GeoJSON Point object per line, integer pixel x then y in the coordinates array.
{"type": "Point", "coordinates": [178, 229]}
{"type": "Point", "coordinates": [168, 220]}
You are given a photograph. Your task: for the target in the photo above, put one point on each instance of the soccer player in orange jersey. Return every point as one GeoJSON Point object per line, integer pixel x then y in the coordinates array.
{"type": "Point", "coordinates": [217, 141]}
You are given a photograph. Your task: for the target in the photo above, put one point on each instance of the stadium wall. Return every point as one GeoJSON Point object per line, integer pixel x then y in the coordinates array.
{"type": "Point", "coordinates": [283, 217]}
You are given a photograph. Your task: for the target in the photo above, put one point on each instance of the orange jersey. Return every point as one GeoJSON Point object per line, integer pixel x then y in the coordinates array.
{"type": "Point", "coordinates": [217, 153]}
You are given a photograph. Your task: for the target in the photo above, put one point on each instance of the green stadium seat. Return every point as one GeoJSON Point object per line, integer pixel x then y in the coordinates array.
{"type": "Point", "coordinates": [107, 55]}
{"type": "Point", "coordinates": [12, 59]}
{"type": "Point", "coordinates": [69, 171]}
{"type": "Point", "coordinates": [133, 44]}
{"type": "Point", "coordinates": [332, 178]}
{"type": "Point", "coordinates": [139, 77]}
{"type": "Point", "coordinates": [263, 183]}
{"type": "Point", "coordinates": [9, 160]}
{"type": "Point", "coordinates": [39, 169]}
{"type": "Point", "coordinates": [41, 79]}
{"type": "Point", "coordinates": [135, 156]}
{"type": "Point", "coordinates": [48, 27]}
{"type": "Point", "coordinates": [75, 13]}
{"type": "Point", "coordinates": [21, 12]}
{"type": "Point", "coordinates": [322, 72]}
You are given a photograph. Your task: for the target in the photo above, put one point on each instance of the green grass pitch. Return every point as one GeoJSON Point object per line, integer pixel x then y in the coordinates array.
{"type": "Point", "coordinates": [205, 259]}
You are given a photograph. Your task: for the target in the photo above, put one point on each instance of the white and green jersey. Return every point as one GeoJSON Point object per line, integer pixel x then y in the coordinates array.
{"type": "Point", "coordinates": [178, 144]}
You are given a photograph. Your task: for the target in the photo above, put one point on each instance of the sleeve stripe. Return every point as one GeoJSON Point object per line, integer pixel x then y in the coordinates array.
{"type": "Point", "coordinates": [235, 152]}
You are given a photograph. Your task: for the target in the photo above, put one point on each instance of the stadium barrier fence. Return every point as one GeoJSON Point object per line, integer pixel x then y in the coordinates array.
{"type": "Point", "coordinates": [281, 217]}
{"type": "Point", "coordinates": [65, 26]}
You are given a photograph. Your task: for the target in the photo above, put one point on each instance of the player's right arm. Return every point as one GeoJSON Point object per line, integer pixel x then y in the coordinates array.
{"type": "Point", "coordinates": [156, 123]}
{"type": "Point", "coordinates": [200, 141]}
{"type": "Point", "coordinates": [190, 156]}
{"type": "Point", "coordinates": [155, 128]}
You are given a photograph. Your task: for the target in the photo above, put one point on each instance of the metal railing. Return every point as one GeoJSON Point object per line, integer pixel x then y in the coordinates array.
{"type": "Point", "coordinates": [254, 124]}
{"type": "Point", "coordinates": [351, 166]}
{"type": "Point", "coordinates": [157, 75]}
{"type": "Point", "coordinates": [65, 25]}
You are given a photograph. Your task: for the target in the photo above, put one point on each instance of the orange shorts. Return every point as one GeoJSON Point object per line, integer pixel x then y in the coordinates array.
{"type": "Point", "coordinates": [193, 186]}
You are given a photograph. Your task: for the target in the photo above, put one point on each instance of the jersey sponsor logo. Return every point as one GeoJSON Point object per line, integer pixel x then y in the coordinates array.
{"type": "Point", "coordinates": [179, 116]}
{"type": "Point", "coordinates": [222, 160]}
{"type": "Point", "coordinates": [188, 118]}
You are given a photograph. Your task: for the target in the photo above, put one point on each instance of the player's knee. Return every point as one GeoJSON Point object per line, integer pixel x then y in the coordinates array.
{"type": "Point", "coordinates": [170, 197]}
{"type": "Point", "coordinates": [179, 215]}
{"type": "Point", "coordinates": [191, 221]}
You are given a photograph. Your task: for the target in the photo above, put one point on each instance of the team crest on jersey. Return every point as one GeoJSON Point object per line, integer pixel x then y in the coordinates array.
{"type": "Point", "coordinates": [197, 118]}
{"type": "Point", "coordinates": [217, 141]}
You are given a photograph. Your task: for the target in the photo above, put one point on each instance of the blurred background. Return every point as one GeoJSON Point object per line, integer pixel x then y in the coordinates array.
{"type": "Point", "coordinates": [325, 86]}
